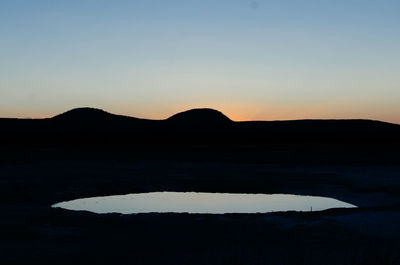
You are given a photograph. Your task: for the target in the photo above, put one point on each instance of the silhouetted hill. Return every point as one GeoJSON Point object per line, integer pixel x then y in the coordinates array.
{"type": "Point", "coordinates": [84, 114]}
{"type": "Point", "coordinates": [205, 126]}
{"type": "Point", "coordinates": [200, 118]}
{"type": "Point", "coordinates": [91, 118]}
{"type": "Point", "coordinates": [95, 116]}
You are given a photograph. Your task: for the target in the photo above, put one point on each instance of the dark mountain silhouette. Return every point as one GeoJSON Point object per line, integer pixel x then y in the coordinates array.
{"type": "Point", "coordinates": [85, 114]}
{"type": "Point", "coordinates": [89, 125]}
{"type": "Point", "coordinates": [92, 118]}
{"type": "Point", "coordinates": [200, 118]}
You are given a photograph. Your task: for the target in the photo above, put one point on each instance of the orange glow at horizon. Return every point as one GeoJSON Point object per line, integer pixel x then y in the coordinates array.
{"type": "Point", "coordinates": [236, 112]}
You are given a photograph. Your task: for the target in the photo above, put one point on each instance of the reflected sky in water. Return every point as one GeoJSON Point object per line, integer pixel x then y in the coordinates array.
{"type": "Point", "coordinates": [201, 202]}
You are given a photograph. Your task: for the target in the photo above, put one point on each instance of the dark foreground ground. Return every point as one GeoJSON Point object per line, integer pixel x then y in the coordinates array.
{"type": "Point", "coordinates": [33, 178]}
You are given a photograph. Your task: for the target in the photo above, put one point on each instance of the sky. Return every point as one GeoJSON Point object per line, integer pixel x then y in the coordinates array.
{"type": "Point", "coordinates": [252, 60]}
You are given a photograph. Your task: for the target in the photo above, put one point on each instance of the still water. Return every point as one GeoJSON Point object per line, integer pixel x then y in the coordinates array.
{"type": "Point", "coordinates": [201, 202]}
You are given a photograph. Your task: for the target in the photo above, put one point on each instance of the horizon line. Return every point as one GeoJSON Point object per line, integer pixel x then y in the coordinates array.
{"type": "Point", "coordinates": [196, 108]}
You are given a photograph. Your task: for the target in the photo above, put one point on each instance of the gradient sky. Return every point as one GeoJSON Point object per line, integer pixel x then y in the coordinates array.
{"type": "Point", "coordinates": [263, 60]}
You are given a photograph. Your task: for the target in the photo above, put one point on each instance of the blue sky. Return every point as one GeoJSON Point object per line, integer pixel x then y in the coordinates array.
{"type": "Point", "coordinates": [261, 60]}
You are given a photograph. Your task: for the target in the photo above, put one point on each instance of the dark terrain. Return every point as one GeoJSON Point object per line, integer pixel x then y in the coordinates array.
{"type": "Point", "coordinates": [88, 152]}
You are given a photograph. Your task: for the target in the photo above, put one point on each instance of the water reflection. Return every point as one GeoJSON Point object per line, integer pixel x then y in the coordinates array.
{"type": "Point", "coordinates": [202, 202]}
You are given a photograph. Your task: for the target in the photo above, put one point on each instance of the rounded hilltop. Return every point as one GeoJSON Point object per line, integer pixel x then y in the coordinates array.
{"type": "Point", "coordinates": [84, 113]}
{"type": "Point", "coordinates": [200, 116]}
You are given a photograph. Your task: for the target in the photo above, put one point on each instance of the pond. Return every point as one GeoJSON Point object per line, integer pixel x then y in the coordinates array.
{"type": "Point", "coordinates": [201, 202]}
